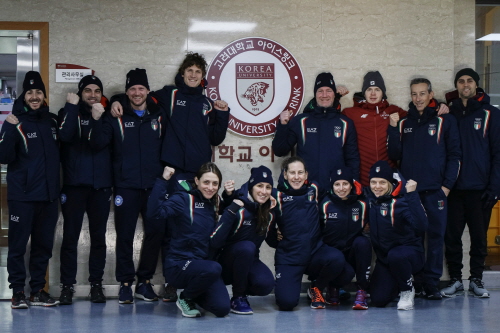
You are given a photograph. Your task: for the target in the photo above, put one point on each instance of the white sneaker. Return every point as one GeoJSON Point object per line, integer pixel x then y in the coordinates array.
{"type": "Point", "coordinates": [406, 299]}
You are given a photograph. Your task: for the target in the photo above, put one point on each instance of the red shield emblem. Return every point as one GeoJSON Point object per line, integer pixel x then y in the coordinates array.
{"type": "Point", "coordinates": [255, 86]}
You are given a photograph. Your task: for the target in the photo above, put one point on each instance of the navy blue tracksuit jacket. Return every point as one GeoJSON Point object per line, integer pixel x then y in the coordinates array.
{"type": "Point", "coordinates": [428, 146]}
{"type": "Point", "coordinates": [325, 139]}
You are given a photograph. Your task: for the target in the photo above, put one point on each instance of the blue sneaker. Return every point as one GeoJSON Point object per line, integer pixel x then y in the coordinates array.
{"type": "Point", "coordinates": [240, 305]}
{"type": "Point", "coordinates": [144, 290]}
{"type": "Point", "coordinates": [125, 294]}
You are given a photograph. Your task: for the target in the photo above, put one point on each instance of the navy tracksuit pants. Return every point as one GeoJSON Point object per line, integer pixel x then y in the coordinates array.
{"type": "Point", "coordinates": [75, 201]}
{"type": "Point", "coordinates": [435, 203]}
{"type": "Point", "coordinates": [358, 262]}
{"type": "Point", "coordinates": [242, 268]}
{"type": "Point", "coordinates": [201, 281]}
{"type": "Point", "coordinates": [37, 219]}
{"type": "Point", "coordinates": [128, 204]}
{"type": "Point", "coordinates": [395, 276]}
{"type": "Point", "coordinates": [326, 264]}
{"type": "Point", "coordinates": [467, 208]}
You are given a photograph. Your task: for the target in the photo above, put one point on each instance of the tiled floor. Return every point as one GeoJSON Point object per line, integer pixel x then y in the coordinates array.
{"type": "Point", "coordinates": [459, 314]}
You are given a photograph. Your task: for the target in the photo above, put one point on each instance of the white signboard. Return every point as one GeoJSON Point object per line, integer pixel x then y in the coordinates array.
{"type": "Point", "coordinates": [71, 73]}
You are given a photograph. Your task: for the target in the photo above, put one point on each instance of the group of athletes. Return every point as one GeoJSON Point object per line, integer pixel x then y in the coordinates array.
{"type": "Point", "coordinates": [372, 176]}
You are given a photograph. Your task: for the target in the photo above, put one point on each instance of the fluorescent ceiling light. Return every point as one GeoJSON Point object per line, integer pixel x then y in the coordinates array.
{"type": "Point", "coordinates": [224, 26]}
{"type": "Point", "coordinates": [490, 38]}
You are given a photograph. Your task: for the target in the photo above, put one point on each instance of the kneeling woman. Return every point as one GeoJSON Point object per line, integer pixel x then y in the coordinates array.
{"type": "Point", "coordinates": [395, 223]}
{"type": "Point", "coordinates": [301, 250]}
{"type": "Point", "coordinates": [241, 231]}
{"type": "Point", "coordinates": [344, 216]}
{"type": "Point", "coordinates": [192, 217]}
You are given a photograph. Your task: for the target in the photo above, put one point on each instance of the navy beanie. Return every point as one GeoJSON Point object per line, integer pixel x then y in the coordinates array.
{"type": "Point", "coordinates": [373, 79]}
{"type": "Point", "coordinates": [324, 80]}
{"type": "Point", "coordinates": [33, 80]}
{"type": "Point", "coordinates": [467, 71]}
{"type": "Point", "coordinates": [135, 77]}
{"type": "Point", "coordinates": [89, 79]}
{"type": "Point", "coordinates": [341, 174]}
{"type": "Point", "coordinates": [382, 169]}
{"type": "Point", "coordinates": [261, 174]}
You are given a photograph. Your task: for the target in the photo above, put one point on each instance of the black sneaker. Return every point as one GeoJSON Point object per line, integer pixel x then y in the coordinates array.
{"type": "Point", "coordinates": [125, 294]}
{"type": "Point", "coordinates": [97, 293]}
{"type": "Point", "coordinates": [19, 301]}
{"type": "Point", "coordinates": [42, 298]}
{"type": "Point", "coordinates": [170, 293]}
{"type": "Point", "coordinates": [66, 297]}
{"type": "Point", "coordinates": [433, 293]}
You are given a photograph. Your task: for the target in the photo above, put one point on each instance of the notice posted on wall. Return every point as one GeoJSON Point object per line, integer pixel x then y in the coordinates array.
{"type": "Point", "coordinates": [68, 73]}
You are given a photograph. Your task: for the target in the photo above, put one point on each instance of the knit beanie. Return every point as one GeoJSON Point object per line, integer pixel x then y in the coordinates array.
{"type": "Point", "coordinates": [137, 76]}
{"type": "Point", "coordinates": [382, 169]}
{"type": "Point", "coordinates": [467, 71]}
{"type": "Point", "coordinates": [324, 80]}
{"type": "Point", "coordinates": [86, 80]}
{"type": "Point", "coordinates": [33, 80]}
{"type": "Point", "coordinates": [373, 79]}
{"type": "Point", "coordinates": [261, 174]}
{"type": "Point", "coordinates": [341, 174]}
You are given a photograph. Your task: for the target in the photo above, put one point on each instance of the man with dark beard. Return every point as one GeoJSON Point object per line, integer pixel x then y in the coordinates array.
{"type": "Point", "coordinates": [87, 187]}
{"type": "Point", "coordinates": [28, 144]}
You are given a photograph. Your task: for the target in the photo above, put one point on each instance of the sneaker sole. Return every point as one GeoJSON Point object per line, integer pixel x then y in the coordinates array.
{"type": "Point", "coordinates": [359, 307]}
{"type": "Point", "coordinates": [44, 304]}
{"type": "Point", "coordinates": [485, 295]}
{"type": "Point", "coordinates": [23, 306]}
{"type": "Point", "coordinates": [406, 309]}
{"type": "Point", "coordinates": [65, 303]}
{"type": "Point", "coordinates": [242, 313]}
{"type": "Point", "coordinates": [140, 296]}
{"type": "Point", "coordinates": [170, 299]}
{"type": "Point", "coordinates": [331, 303]}
{"type": "Point", "coordinates": [126, 302]}
{"type": "Point", "coordinates": [98, 300]}
{"type": "Point", "coordinates": [317, 307]}
{"type": "Point", "coordinates": [187, 315]}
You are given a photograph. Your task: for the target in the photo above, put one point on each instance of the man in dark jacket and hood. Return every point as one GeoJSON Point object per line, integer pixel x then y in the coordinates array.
{"type": "Point", "coordinates": [28, 144]}
{"type": "Point", "coordinates": [478, 185]}
{"type": "Point", "coordinates": [324, 138]}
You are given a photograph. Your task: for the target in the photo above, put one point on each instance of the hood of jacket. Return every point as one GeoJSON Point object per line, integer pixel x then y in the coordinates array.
{"type": "Point", "coordinates": [429, 112]}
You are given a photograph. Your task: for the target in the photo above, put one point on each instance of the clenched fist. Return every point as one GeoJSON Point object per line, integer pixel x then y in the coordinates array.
{"type": "Point", "coordinates": [168, 172]}
{"type": "Point", "coordinates": [394, 119]}
{"type": "Point", "coordinates": [411, 185]}
{"type": "Point", "coordinates": [72, 98]}
{"type": "Point", "coordinates": [285, 117]}
{"type": "Point", "coordinates": [97, 111]}
{"type": "Point", "coordinates": [12, 119]}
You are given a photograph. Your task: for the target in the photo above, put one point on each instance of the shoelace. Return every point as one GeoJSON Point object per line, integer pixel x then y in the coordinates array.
{"type": "Point", "coordinates": [360, 297]}
{"type": "Point", "coordinates": [189, 304]}
{"type": "Point", "coordinates": [478, 283]}
{"type": "Point", "coordinates": [316, 295]}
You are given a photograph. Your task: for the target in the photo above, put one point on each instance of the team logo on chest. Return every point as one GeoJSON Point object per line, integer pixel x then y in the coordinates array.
{"type": "Point", "coordinates": [355, 214]}
{"type": "Point", "coordinates": [332, 215]}
{"type": "Point", "coordinates": [84, 122]}
{"type": "Point", "coordinates": [384, 209]}
{"type": "Point", "coordinates": [477, 123]}
{"type": "Point", "coordinates": [337, 131]}
{"type": "Point", "coordinates": [199, 205]}
{"type": "Point", "coordinates": [432, 129]}
{"type": "Point", "coordinates": [31, 135]}
{"type": "Point", "coordinates": [247, 222]}
{"type": "Point", "coordinates": [154, 124]}
{"type": "Point", "coordinates": [440, 204]}
{"type": "Point", "coordinates": [129, 124]}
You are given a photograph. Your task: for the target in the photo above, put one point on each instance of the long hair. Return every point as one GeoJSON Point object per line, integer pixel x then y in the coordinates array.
{"type": "Point", "coordinates": [206, 168]}
{"type": "Point", "coordinates": [263, 216]}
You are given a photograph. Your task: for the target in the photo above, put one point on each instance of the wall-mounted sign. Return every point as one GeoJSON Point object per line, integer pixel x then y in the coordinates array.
{"type": "Point", "coordinates": [71, 73]}
{"type": "Point", "coordinates": [259, 78]}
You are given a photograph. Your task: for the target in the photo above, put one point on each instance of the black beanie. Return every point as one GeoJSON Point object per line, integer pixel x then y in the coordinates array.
{"type": "Point", "coordinates": [137, 76]}
{"type": "Point", "coordinates": [261, 174]}
{"type": "Point", "coordinates": [324, 80]}
{"type": "Point", "coordinates": [33, 80]}
{"type": "Point", "coordinates": [467, 71]}
{"type": "Point", "coordinates": [382, 169]}
{"type": "Point", "coordinates": [373, 79]}
{"type": "Point", "coordinates": [341, 174]}
{"type": "Point", "coordinates": [86, 80]}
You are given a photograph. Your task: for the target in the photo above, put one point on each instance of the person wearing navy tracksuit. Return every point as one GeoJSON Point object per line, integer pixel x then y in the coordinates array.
{"type": "Point", "coordinates": [195, 124]}
{"type": "Point", "coordinates": [29, 145]}
{"type": "Point", "coordinates": [345, 215]}
{"type": "Point", "coordinates": [241, 230]}
{"type": "Point", "coordinates": [477, 188]}
{"type": "Point", "coordinates": [135, 141]}
{"type": "Point", "coordinates": [301, 250]}
{"type": "Point", "coordinates": [396, 225]}
{"type": "Point", "coordinates": [193, 217]}
{"type": "Point", "coordinates": [324, 138]}
{"type": "Point", "coordinates": [428, 147]}
{"type": "Point", "coordinates": [87, 182]}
